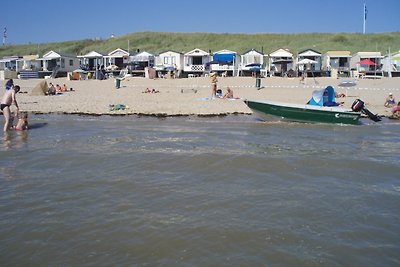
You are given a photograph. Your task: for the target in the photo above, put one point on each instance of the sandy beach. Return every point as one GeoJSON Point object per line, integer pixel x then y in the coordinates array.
{"type": "Point", "coordinates": [191, 96]}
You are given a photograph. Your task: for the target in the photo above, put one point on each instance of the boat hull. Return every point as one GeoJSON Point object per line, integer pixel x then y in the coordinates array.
{"type": "Point", "coordinates": [305, 113]}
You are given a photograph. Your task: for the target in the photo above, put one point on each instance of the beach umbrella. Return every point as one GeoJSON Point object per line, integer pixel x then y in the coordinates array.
{"type": "Point", "coordinates": [366, 61]}
{"type": "Point", "coordinates": [305, 61]}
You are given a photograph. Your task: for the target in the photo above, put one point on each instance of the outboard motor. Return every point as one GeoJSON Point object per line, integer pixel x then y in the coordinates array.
{"type": "Point", "coordinates": [359, 106]}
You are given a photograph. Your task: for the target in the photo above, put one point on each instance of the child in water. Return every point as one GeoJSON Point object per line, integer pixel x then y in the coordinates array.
{"type": "Point", "coordinates": [22, 123]}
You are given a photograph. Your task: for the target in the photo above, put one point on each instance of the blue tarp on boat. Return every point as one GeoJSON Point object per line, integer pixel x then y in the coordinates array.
{"type": "Point", "coordinates": [324, 97]}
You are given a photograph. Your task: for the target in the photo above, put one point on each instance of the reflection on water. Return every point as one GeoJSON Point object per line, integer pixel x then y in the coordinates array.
{"type": "Point", "coordinates": [229, 191]}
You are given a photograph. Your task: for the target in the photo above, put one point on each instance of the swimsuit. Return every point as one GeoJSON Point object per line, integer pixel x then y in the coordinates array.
{"type": "Point", "coordinates": [2, 106]}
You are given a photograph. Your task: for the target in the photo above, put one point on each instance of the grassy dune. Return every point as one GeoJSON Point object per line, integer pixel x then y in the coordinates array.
{"type": "Point", "coordinates": [155, 42]}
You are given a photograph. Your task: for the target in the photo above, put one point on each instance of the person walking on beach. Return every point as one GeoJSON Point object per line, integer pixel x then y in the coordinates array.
{"type": "Point", "coordinates": [6, 102]}
{"type": "Point", "coordinates": [214, 81]}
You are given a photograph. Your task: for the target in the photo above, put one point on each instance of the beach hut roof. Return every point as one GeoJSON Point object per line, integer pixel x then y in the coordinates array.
{"type": "Point", "coordinates": [253, 51]}
{"type": "Point", "coordinates": [53, 55]}
{"type": "Point", "coordinates": [142, 56]}
{"type": "Point", "coordinates": [92, 54]}
{"type": "Point", "coordinates": [368, 54]}
{"type": "Point", "coordinates": [309, 53]}
{"type": "Point", "coordinates": [9, 59]}
{"type": "Point", "coordinates": [197, 52]}
{"type": "Point", "coordinates": [338, 53]}
{"type": "Point", "coordinates": [281, 53]}
{"type": "Point", "coordinates": [170, 51]}
{"type": "Point", "coordinates": [118, 53]}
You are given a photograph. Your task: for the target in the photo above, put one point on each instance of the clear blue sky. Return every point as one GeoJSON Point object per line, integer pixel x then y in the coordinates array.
{"type": "Point", "coordinates": [42, 21]}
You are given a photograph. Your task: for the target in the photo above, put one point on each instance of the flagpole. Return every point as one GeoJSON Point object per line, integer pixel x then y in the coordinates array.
{"type": "Point", "coordinates": [364, 17]}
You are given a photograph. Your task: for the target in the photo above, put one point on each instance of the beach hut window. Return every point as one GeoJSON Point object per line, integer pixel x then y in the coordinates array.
{"type": "Point", "coordinates": [71, 62]}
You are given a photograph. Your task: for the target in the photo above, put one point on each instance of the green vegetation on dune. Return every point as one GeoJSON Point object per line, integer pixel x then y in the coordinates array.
{"type": "Point", "coordinates": [156, 42]}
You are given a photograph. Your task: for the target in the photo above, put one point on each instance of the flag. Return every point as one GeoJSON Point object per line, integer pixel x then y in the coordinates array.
{"type": "Point", "coordinates": [5, 32]}
{"type": "Point", "coordinates": [365, 12]}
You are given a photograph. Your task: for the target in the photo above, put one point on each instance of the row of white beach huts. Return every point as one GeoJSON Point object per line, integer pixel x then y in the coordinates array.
{"type": "Point", "coordinates": [198, 62]}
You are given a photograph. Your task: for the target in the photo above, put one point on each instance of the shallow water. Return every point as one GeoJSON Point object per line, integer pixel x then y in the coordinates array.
{"type": "Point", "coordinates": [227, 191]}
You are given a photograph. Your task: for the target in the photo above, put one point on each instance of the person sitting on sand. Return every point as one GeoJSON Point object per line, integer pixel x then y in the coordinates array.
{"type": "Point", "coordinates": [8, 99]}
{"type": "Point", "coordinates": [150, 91]}
{"type": "Point", "coordinates": [64, 88]}
{"type": "Point", "coordinates": [22, 123]}
{"type": "Point", "coordinates": [390, 101]}
{"type": "Point", "coordinates": [396, 110]}
{"type": "Point", "coordinates": [228, 94]}
{"type": "Point", "coordinates": [58, 88]}
{"type": "Point", "coordinates": [51, 90]}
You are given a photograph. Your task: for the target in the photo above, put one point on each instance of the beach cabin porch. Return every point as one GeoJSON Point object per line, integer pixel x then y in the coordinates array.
{"type": "Point", "coordinates": [251, 62]}
{"type": "Point", "coordinates": [337, 63]}
{"type": "Point", "coordinates": [311, 69]}
{"type": "Point", "coordinates": [280, 63]}
{"type": "Point", "coordinates": [57, 64]}
{"type": "Point", "coordinates": [372, 68]}
{"type": "Point", "coordinates": [169, 62]}
{"type": "Point", "coordinates": [29, 66]}
{"type": "Point", "coordinates": [223, 62]}
{"type": "Point", "coordinates": [195, 62]}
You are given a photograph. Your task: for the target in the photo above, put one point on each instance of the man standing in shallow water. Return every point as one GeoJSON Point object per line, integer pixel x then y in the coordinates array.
{"type": "Point", "coordinates": [6, 102]}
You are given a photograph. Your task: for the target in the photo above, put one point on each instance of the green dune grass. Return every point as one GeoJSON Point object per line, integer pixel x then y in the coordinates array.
{"type": "Point", "coordinates": [156, 42]}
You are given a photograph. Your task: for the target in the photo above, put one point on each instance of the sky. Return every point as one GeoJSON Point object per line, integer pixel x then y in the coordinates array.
{"type": "Point", "coordinates": [44, 21]}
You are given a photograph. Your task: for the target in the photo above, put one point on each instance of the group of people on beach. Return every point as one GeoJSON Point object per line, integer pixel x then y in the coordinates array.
{"type": "Point", "coordinates": [6, 102]}
{"type": "Point", "coordinates": [53, 90]}
{"type": "Point", "coordinates": [215, 92]}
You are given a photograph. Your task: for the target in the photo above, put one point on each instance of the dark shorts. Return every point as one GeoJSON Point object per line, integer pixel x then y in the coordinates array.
{"type": "Point", "coordinates": [2, 106]}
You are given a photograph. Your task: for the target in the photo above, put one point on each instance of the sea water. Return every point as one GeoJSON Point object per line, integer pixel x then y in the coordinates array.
{"type": "Point", "coordinates": [186, 191]}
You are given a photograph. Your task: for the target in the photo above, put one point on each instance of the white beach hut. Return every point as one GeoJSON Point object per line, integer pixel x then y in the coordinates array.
{"type": "Point", "coordinates": [59, 62]}
{"type": "Point", "coordinates": [141, 60]}
{"type": "Point", "coordinates": [250, 59]}
{"type": "Point", "coordinates": [313, 56]}
{"type": "Point", "coordinates": [91, 61]}
{"type": "Point", "coordinates": [374, 69]}
{"type": "Point", "coordinates": [337, 62]}
{"type": "Point", "coordinates": [195, 61]}
{"type": "Point", "coordinates": [280, 62]}
{"type": "Point", "coordinates": [223, 62]}
{"type": "Point", "coordinates": [169, 60]}
{"type": "Point", "coordinates": [118, 58]}
{"type": "Point", "coordinates": [29, 66]}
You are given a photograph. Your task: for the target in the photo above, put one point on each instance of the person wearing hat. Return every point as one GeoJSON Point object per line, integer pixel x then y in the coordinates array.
{"type": "Point", "coordinates": [390, 101]}
{"type": "Point", "coordinates": [214, 81]}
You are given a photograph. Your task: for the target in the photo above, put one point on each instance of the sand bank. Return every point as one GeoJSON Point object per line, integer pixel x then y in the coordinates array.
{"type": "Point", "coordinates": [181, 97]}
